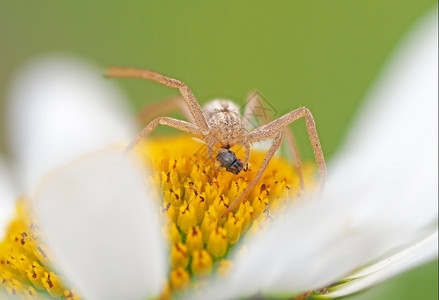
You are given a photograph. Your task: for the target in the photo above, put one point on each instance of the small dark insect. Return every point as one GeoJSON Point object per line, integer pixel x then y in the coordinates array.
{"type": "Point", "coordinates": [228, 160]}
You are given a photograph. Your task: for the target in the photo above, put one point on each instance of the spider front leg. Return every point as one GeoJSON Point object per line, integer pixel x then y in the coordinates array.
{"type": "Point", "coordinates": [191, 102]}
{"type": "Point", "coordinates": [174, 123]}
{"type": "Point", "coordinates": [276, 144]}
{"type": "Point", "coordinates": [284, 121]}
{"type": "Point", "coordinates": [164, 108]}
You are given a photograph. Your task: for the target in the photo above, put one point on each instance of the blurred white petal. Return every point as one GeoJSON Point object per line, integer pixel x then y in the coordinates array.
{"type": "Point", "coordinates": [60, 108]}
{"type": "Point", "coordinates": [409, 258]}
{"type": "Point", "coordinates": [7, 197]}
{"type": "Point", "coordinates": [392, 149]}
{"type": "Point", "coordinates": [100, 221]}
{"type": "Point", "coordinates": [427, 246]}
{"type": "Point", "coordinates": [381, 193]}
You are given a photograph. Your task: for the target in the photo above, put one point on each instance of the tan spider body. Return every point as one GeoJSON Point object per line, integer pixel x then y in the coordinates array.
{"type": "Point", "coordinates": [220, 125]}
{"type": "Point", "coordinates": [224, 120]}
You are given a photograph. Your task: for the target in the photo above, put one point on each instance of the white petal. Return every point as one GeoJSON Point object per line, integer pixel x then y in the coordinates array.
{"type": "Point", "coordinates": [428, 246]}
{"type": "Point", "coordinates": [314, 247]}
{"type": "Point", "coordinates": [7, 197]}
{"type": "Point", "coordinates": [60, 108]}
{"type": "Point", "coordinates": [100, 221]}
{"type": "Point", "coordinates": [381, 194]}
{"type": "Point", "coordinates": [409, 258]}
{"type": "Point", "coordinates": [392, 149]}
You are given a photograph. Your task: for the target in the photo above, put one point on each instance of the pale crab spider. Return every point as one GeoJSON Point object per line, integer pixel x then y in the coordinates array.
{"type": "Point", "coordinates": [220, 123]}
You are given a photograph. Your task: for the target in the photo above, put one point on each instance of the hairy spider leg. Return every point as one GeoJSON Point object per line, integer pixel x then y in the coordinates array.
{"type": "Point", "coordinates": [192, 103]}
{"type": "Point", "coordinates": [282, 122]}
{"type": "Point", "coordinates": [171, 122]}
{"type": "Point", "coordinates": [276, 144]}
{"type": "Point", "coordinates": [162, 108]}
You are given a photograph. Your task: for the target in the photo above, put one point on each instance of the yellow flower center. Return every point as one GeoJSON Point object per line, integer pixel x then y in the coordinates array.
{"type": "Point", "coordinates": [195, 194]}
{"type": "Point", "coordinates": [25, 262]}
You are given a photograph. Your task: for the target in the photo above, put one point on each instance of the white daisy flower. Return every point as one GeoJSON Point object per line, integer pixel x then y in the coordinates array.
{"type": "Point", "coordinates": [377, 217]}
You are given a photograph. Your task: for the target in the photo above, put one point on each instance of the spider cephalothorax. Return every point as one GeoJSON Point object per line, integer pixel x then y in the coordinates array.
{"type": "Point", "coordinates": [224, 120]}
{"type": "Point", "coordinates": [220, 123]}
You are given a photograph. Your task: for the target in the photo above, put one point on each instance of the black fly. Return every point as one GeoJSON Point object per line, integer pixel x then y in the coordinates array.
{"type": "Point", "coordinates": [228, 160]}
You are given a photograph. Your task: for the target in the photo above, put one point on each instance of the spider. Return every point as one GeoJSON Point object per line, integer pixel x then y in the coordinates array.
{"type": "Point", "coordinates": [220, 124]}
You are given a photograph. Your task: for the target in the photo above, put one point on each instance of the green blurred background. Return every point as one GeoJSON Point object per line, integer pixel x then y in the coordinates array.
{"type": "Point", "coordinates": [321, 54]}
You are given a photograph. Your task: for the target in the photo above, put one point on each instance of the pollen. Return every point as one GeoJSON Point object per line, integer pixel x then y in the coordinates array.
{"type": "Point", "coordinates": [194, 195]}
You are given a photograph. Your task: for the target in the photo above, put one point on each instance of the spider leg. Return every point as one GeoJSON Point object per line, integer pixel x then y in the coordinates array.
{"type": "Point", "coordinates": [174, 123]}
{"type": "Point", "coordinates": [163, 108]}
{"type": "Point", "coordinates": [284, 121]}
{"type": "Point", "coordinates": [294, 151]}
{"type": "Point", "coordinates": [192, 103]}
{"type": "Point", "coordinates": [210, 146]}
{"type": "Point", "coordinates": [247, 154]}
{"type": "Point", "coordinates": [276, 143]}
{"type": "Point", "coordinates": [255, 108]}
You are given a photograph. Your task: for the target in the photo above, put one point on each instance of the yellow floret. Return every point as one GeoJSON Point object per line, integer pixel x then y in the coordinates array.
{"type": "Point", "coordinates": [194, 239]}
{"type": "Point", "coordinates": [217, 242]}
{"type": "Point", "coordinates": [180, 279]}
{"type": "Point", "coordinates": [201, 263]}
